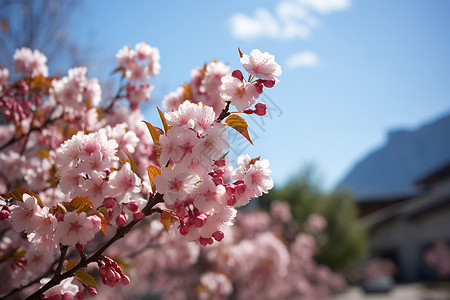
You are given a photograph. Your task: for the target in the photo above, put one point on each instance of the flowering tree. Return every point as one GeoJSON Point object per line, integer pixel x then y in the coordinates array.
{"type": "Point", "coordinates": [79, 174]}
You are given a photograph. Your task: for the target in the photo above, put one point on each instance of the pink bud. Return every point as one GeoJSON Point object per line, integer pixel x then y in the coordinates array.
{"type": "Point", "coordinates": [231, 201]}
{"type": "Point", "coordinates": [125, 280]}
{"type": "Point", "coordinates": [218, 235]}
{"type": "Point", "coordinates": [184, 229]}
{"type": "Point", "coordinates": [240, 189]}
{"type": "Point", "coordinates": [133, 205]}
{"type": "Point", "coordinates": [121, 220]}
{"type": "Point", "coordinates": [237, 74]}
{"type": "Point", "coordinates": [110, 274]}
{"type": "Point", "coordinates": [269, 83]}
{"type": "Point", "coordinates": [109, 202]}
{"type": "Point", "coordinates": [79, 295]}
{"type": "Point", "coordinates": [217, 180]}
{"type": "Point", "coordinates": [230, 189]}
{"type": "Point", "coordinates": [221, 162]}
{"type": "Point", "coordinates": [138, 215]}
{"type": "Point", "coordinates": [59, 216]}
{"type": "Point", "coordinates": [109, 214]}
{"type": "Point", "coordinates": [260, 109]}
{"type": "Point", "coordinates": [249, 111]}
{"type": "Point", "coordinates": [259, 87]}
{"type": "Point", "coordinates": [219, 172]}
{"type": "Point", "coordinates": [200, 220]}
{"type": "Point", "coordinates": [4, 214]}
{"type": "Point", "coordinates": [203, 241]}
{"type": "Point", "coordinates": [91, 291]}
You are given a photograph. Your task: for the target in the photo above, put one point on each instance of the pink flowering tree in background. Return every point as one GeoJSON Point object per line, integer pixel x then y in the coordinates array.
{"type": "Point", "coordinates": [93, 197]}
{"type": "Point", "coordinates": [78, 173]}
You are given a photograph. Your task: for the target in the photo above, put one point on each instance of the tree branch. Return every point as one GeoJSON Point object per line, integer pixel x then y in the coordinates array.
{"type": "Point", "coordinates": [120, 233]}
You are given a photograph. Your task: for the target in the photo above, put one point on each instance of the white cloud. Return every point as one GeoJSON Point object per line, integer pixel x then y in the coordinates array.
{"type": "Point", "coordinates": [291, 19]}
{"type": "Point", "coordinates": [326, 6]}
{"type": "Point", "coordinates": [302, 59]}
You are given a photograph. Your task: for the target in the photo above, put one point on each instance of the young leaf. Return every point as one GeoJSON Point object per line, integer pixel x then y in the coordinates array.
{"type": "Point", "coordinates": [71, 264]}
{"type": "Point", "coordinates": [17, 194]}
{"type": "Point", "coordinates": [252, 162]}
{"type": "Point", "coordinates": [239, 124]}
{"type": "Point", "coordinates": [80, 202]}
{"type": "Point", "coordinates": [240, 52]}
{"type": "Point", "coordinates": [163, 120]}
{"type": "Point", "coordinates": [86, 278]}
{"type": "Point", "coordinates": [153, 171]}
{"type": "Point", "coordinates": [130, 160]}
{"type": "Point", "coordinates": [153, 132]}
{"type": "Point", "coordinates": [167, 218]}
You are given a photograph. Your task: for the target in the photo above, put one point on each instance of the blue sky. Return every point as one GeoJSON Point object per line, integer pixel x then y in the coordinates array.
{"type": "Point", "coordinates": [352, 69]}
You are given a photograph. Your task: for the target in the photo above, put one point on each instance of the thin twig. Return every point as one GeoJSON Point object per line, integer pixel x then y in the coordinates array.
{"type": "Point", "coordinates": [120, 233]}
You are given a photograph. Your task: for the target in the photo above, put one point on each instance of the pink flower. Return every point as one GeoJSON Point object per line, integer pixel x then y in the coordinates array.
{"type": "Point", "coordinates": [123, 183]}
{"type": "Point", "coordinates": [241, 94]}
{"type": "Point", "coordinates": [138, 93]}
{"type": "Point", "coordinates": [257, 177]}
{"type": "Point", "coordinates": [125, 56]}
{"type": "Point", "coordinates": [315, 224]}
{"type": "Point", "coordinates": [77, 228]}
{"type": "Point", "coordinates": [175, 183]}
{"type": "Point", "coordinates": [261, 65]}
{"type": "Point", "coordinates": [26, 215]}
{"type": "Point", "coordinates": [32, 63]}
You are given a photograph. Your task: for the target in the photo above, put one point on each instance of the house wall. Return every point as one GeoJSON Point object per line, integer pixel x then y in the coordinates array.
{"type": "Point", "coordinates": [404, 238]}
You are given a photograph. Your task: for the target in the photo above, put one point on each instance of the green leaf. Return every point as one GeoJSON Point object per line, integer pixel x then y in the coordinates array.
{"type": "Point", "coordinates": [153, 171]}
{"type": "Point", "coordinates": [17, 194]}
{"type": "Point", "coordinates": [86, 278]}
{"type": "Point", "coordinates": [238, 123]}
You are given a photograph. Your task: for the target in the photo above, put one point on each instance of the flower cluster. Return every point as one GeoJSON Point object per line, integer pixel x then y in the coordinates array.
{"type": "Point", "coordinates": [138, 65]}
{"type": "Point", "coordinates": [75, 90]}
{"type": "Point", "coordinates": [31, 63]}
{"type": "Point", "coordinates": [192, 173]}
{"type": "Point", "coordinates": [74, 169]}
{"type": "Point", "coordinates": [213, 85]}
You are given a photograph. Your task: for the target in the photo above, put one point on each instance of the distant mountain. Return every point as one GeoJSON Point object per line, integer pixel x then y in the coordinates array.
{"type": "Point", "coordinates": [408, 154]}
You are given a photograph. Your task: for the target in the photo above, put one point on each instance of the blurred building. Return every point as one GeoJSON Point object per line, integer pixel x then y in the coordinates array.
{"type": "Point", "coordinates": [403, 228]}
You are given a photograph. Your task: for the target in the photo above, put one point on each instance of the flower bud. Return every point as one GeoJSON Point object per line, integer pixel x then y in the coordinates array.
{"type": "Point", "coordinates": [221, 162]}
{"type": "Point", "coordinates": [133, 205]}
{"type": "Point", "coordinates": [109, 202]}
{"type": "Point", "coordinates": [121, 220]}
{"type": "Point", "coordinates": [259, 87]}
{"type": "Point", "coordinates": [138, 215]}
{"type": "Point", "coordinates": [237, 74]}
{"type": "Point", "coordinates": [260, 109]}
{"type": "Point", "coordinates": [218, 235]}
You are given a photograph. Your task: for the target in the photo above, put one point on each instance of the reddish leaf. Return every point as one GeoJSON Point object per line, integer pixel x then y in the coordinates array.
{"type": "Point", "coordinates": [153, 171]}
{"type": "Point", "coordinates": [167, 218]}
{"type": "Point", "coordinates": [17, 194]}
{"type": "Point", "coordinates": [240, 52]}
{"type": "Point", "coordinates": [239, 124]}
{"type": "Point", "coordinates": [163, 120]}
{"type": "Point", "coordinates": [154, 132]}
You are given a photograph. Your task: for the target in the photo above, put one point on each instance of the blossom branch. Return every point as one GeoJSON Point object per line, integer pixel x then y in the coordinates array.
{"type": "Point", "coordinates": [18, 138]}
{"type": "Point", "coordinates": [120, 233]}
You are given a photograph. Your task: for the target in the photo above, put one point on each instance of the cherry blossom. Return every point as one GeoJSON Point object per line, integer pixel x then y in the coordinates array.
{"type": "Point", "coordinates": [261, 65]}
{"type": "Point", "coordinates": [77, 228]}
{"type": "Point", "coordinates": [241, 94]}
